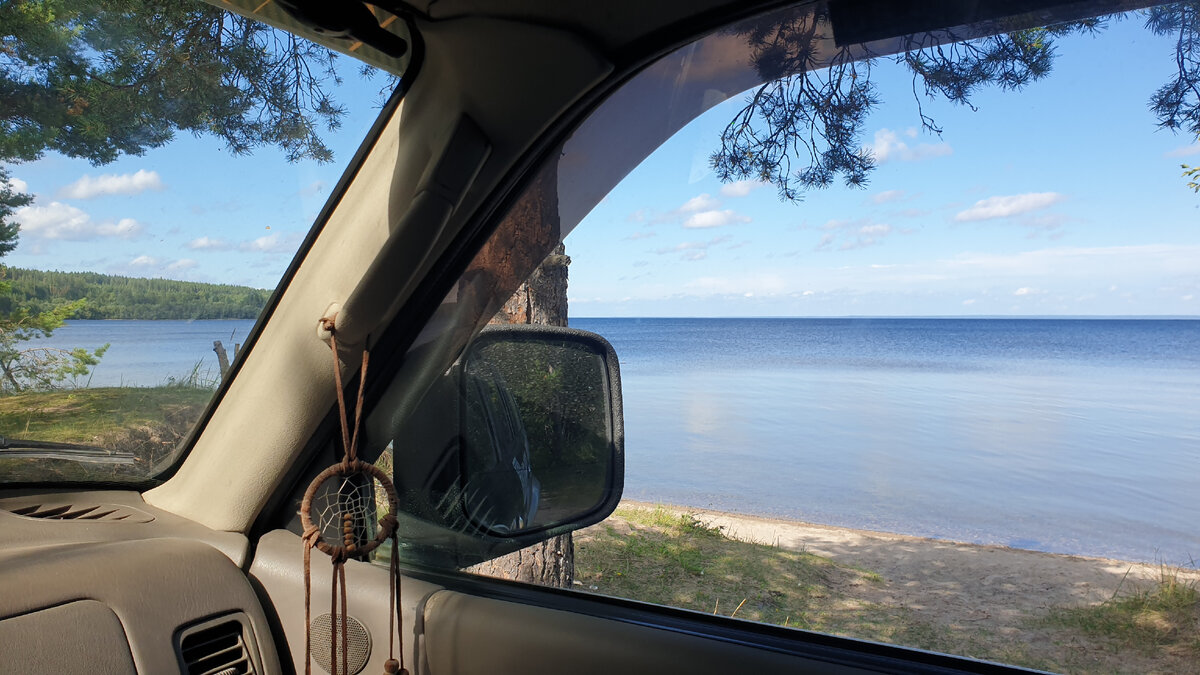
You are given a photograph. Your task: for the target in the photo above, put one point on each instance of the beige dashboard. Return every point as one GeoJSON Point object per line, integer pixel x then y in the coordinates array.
{"type": "Point", "coordinates": [100, 582]}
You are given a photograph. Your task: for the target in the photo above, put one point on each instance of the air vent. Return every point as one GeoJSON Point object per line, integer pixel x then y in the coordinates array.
{"type": "Point", "coordinates": [218, 647]}
{"type": "Point", "coordinates": [85, 512]}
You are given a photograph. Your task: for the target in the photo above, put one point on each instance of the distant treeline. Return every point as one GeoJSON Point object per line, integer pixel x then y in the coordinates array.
{"type": "Point", "coordinates": [114, 297]}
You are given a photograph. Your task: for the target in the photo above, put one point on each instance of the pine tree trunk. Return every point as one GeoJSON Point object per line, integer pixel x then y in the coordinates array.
{"type": "Point", "coordinates": [540, 300]}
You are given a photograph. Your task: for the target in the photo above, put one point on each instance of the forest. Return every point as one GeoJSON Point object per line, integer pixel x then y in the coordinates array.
{"type": "Point", "coordinates": [117, 297]}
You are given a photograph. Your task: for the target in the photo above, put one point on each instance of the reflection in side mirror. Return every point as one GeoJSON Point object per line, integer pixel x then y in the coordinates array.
{"type": "Point", "coordinates": [521, 440]}
{"type": "Point", "coordinates": [540, 429]}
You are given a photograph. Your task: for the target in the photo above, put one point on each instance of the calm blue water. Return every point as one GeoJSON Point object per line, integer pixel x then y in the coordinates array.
{"type": "Point", "coordinates": [148, 353]}
{"type": "Point", "coordinates": [1071, 436]}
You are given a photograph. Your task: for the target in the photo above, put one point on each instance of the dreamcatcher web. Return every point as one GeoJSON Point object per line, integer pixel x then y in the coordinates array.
{"type": "Point", "coordinates": [351, 496]}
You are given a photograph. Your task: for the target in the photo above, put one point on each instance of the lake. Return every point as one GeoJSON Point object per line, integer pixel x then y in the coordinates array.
{"type": "Point", "coordinates": [1069, 436]}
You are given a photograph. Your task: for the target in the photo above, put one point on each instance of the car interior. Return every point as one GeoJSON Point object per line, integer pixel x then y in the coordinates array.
{"type": "Point", "coordinates": [511, 121]}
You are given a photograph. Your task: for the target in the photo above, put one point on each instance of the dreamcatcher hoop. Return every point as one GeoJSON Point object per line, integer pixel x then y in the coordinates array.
{"type": "Point", "coordinates": [347, 548]}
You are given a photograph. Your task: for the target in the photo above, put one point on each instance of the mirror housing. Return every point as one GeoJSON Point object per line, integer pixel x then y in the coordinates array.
{"type": "Point", "coordinates": [520, 441]}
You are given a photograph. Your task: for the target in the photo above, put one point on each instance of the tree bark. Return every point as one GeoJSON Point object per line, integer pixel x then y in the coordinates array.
{"type": "Point", "coordinates": [542, 299]}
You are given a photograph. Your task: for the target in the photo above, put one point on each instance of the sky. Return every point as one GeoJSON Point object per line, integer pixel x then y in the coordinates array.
{"type": "Point", "coordinates": [1062, 199]}
{"type": "Point", "coordinates": [188, 210]}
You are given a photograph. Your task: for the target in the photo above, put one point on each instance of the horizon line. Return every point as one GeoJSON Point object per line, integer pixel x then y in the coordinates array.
{"type": "Point", "coordinates": [1133, 317]}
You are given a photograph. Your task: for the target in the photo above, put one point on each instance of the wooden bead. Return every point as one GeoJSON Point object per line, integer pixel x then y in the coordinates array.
{"type": "Point", "coordinates": [392, 667]}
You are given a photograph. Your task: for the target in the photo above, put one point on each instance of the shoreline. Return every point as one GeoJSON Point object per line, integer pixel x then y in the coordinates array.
{"type": "Point", "coordinates": [760, 524]}
{"type": "Point", "coordinates": [948, 581]}
{"type": "Point", "coordinates": [1048, 611]}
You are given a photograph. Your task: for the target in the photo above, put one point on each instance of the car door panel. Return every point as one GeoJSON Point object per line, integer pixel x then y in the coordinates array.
{"type": "Point", "coordinates": [278, 574]}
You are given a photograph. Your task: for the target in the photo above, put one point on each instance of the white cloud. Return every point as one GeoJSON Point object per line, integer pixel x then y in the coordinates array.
{"type": "Point", "coordinates": [17, 185]}
{"type": "Point", "coordinates": [125, 228]}
{"type": "Point", "coordinates": [881, 230]}
{"type": "Point", "coordinates": [52, 221]}
{"type": "Point", "coordinates": [265, 243]}
{"type": "Point", "coordinates": [740, 188]}
{"type": "Point", "coordinates": [703, 202]}
{"type": "Point", "coordinates": [143, 261]}
{"type": "Point", "coordinates": [968, 303]}
{"type": "Point", "coordinates": [1185, 151]}
{"type": "Point", "coordinates": [112, 184]}
{"type": "Point", "coordinates": [941, 285]}
{"type": "Point", "coordinates": [208, 243]}
{"type": "Point", "coordinates": [887, 196]}
{"type": "Point", "coordinates": [271, 243]}
{"type": "Point", "coordinates": [693, 250]}
{"type": "Point", "coordinates": [705, 219]}
{"type": "Point", "coordinates": [1007, 206]}
{"type": "Point", "coordinates": [745, 286]}
{"type": "Point", "coordinates": [1026, 290]}
{"type": "Point", "coordinates": [65, 222]}
{"type": "Point", "coordinates": [182, 264]}
{"type": "Point", "coordinates": [854, 234]}
{"type": "Point", "coordinates": [888, 146]}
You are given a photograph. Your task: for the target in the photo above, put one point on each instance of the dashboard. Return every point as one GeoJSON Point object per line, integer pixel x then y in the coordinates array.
{"type": "Point", "coordinates": [102, 582]}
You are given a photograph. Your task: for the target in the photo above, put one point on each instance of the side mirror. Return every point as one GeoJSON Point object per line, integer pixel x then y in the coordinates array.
{"type": "Point", "coordinates": [522, 440]}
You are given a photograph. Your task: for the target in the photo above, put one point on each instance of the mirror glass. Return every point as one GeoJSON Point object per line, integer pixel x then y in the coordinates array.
{"type": "Point", "coordinates": [537, 430]}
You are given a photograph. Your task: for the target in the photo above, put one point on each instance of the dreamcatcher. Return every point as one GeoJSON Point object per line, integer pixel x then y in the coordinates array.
{"type": "Point", "coordinates": [342, 500]}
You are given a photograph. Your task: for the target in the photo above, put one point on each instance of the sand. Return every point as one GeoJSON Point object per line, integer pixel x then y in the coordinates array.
{"type": "Point", "coordinates": [988, 590]}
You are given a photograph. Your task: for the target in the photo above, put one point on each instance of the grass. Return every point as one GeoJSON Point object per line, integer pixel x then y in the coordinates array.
{"type": "Point", "coordinates": [658, 556]}
{"type": "Point", "coordinates": [148, 421]}
{"type": "Point", "coordinates": [93, 415]}
{"type": "Point", "coordinates": [1164, 615]}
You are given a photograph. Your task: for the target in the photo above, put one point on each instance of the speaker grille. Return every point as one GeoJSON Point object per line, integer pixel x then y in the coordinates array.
{"type": "Point", "coordinates": [358, 647]}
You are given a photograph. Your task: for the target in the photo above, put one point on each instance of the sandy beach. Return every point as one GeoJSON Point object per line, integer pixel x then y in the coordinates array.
{"type": "Point", "coordinates": [991, 594]}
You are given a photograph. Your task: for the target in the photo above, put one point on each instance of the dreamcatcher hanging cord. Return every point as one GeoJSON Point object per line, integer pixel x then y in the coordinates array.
{"type": "Point", "coordinates": [349, 547]}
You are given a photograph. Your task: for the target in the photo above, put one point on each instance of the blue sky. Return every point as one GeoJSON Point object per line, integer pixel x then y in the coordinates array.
{"type": "Point", "coordinates": [1064, 198]}
{"type": "Point", "coordinates": [189, 210]}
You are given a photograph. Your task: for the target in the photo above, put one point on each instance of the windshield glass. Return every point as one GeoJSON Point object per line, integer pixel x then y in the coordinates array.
{"type": "Point", "coordinates": [908, 343]}
{"type": "Point", "coordinates": [160, 164]}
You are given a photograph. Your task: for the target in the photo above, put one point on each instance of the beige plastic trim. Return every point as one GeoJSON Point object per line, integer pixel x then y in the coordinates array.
{"type": "Point", "coordinates": [153, 586]}
{"type": "Point", "coordinates": [278, 570]}
{"type": "Point", "coordinates": [475, 68]}
{"type": "Point", "coordinates": [97, 644]}
{"type": "Point", "coordinates": [19, 534]}
{"type": "Point", "coordinates": [466, 634]}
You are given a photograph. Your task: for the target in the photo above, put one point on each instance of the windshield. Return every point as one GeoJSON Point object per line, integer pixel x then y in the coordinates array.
{"type": "Point", "coordinates": [160, 165]}
{"type": "Point", "coordinates": [908, 344]}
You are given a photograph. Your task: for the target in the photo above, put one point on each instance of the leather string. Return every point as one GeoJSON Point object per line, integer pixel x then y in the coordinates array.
{"type": "Point", "coordinates": [310, 539]}
{"type": "Point", "coordinates": [337, 381]}
{"type": "Point", "coordinates": [395, 618]}
{"type": "Point", "coordinates": [339, 554]}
